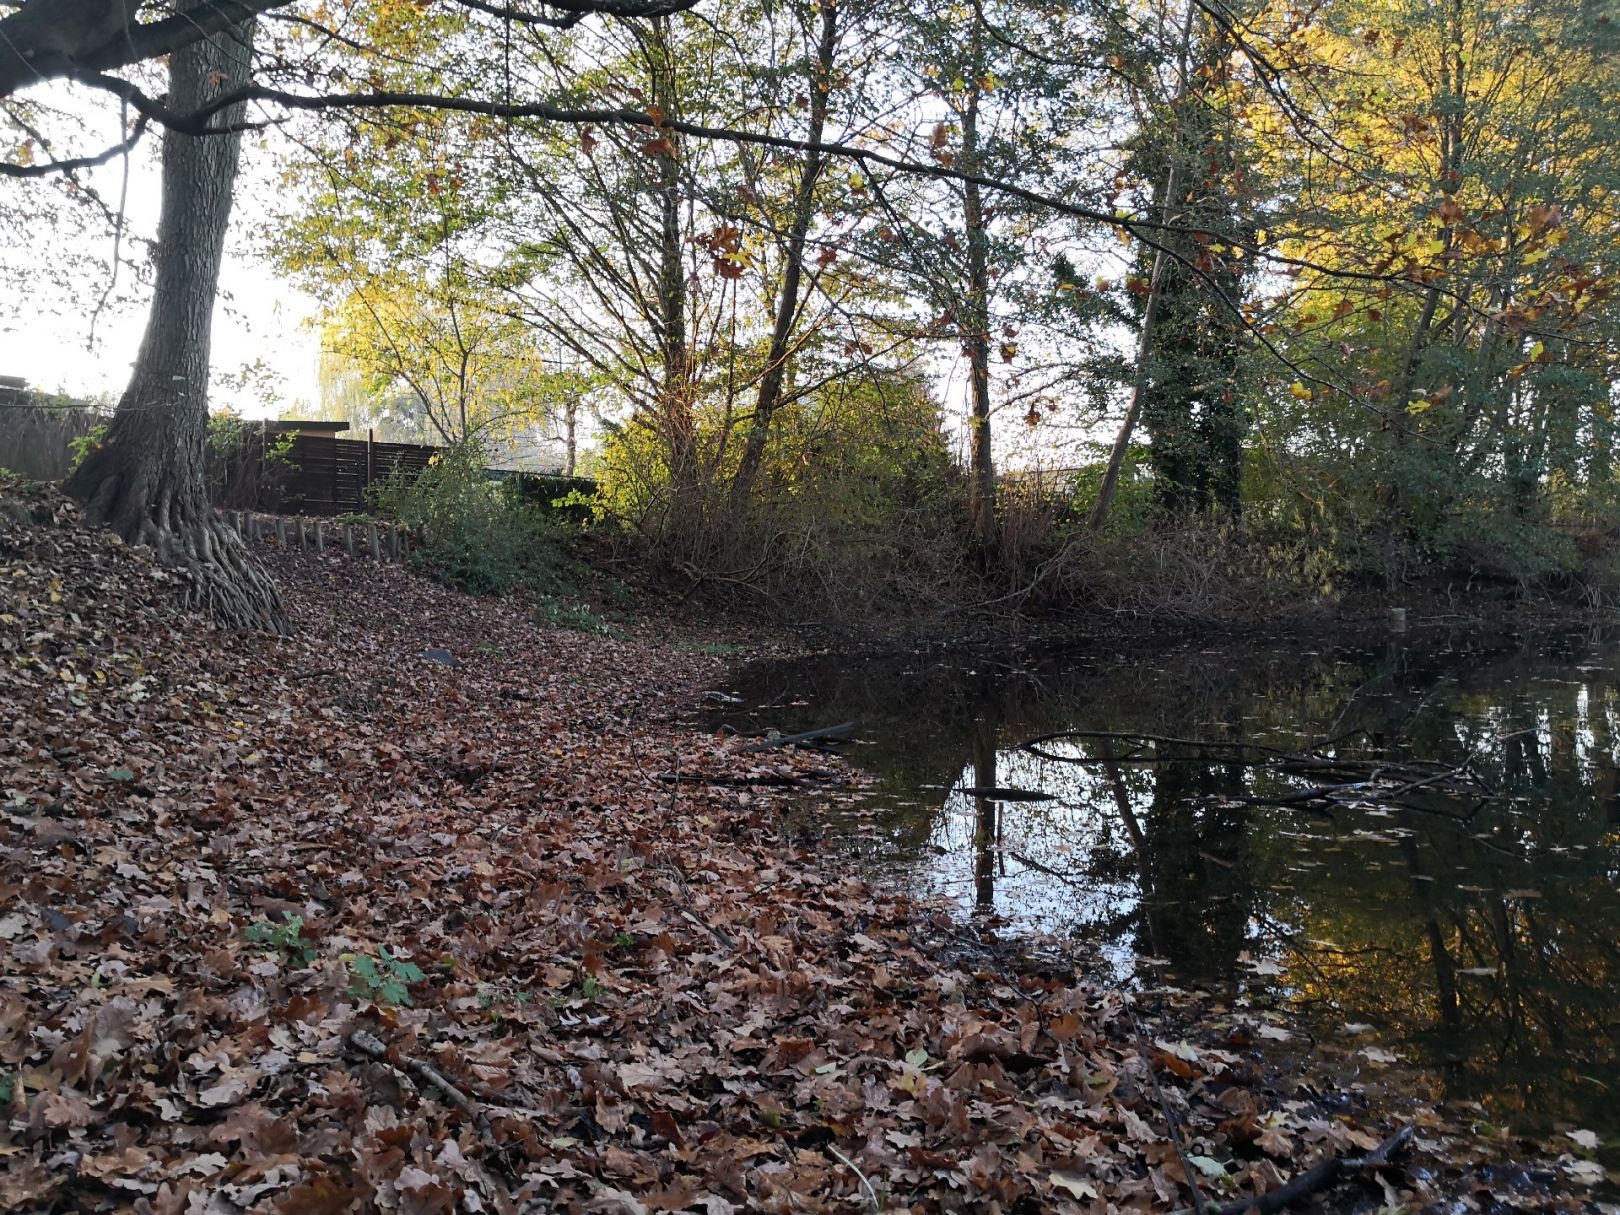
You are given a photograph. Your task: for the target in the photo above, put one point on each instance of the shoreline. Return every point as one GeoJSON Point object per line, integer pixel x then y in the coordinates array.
{"type": "Point", "coordinates": [238, 862]}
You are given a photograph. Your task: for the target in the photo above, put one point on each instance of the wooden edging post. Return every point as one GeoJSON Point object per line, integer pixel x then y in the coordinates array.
{"type": "Point", "coordinates": [371, 541]}
{"type": "Point", "coordinates": [320, 535]}
{"type": "Point", "coordinates": [348, 539]}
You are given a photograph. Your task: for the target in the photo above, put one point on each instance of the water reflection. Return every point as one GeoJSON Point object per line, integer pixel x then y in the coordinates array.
{"type": "Point", "coordinates": [1478, 934]}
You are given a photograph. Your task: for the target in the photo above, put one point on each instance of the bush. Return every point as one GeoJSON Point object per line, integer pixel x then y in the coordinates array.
{"type": "Point", "coordinates": [856, 518]}
{"type": "Point", "coordinates": [80, 446]}
{"type": "Point", "coordinates": [568, 498]}
{"type": "Point", "coordinates": [473, 535]}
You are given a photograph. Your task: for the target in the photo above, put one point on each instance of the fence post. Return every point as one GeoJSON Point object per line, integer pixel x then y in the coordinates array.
{"type": "Point", "coordinates": [371, 460]}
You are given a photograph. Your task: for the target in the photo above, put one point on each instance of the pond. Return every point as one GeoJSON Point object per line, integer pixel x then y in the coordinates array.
{"type": "Point", "coordinates": [1468, 927]}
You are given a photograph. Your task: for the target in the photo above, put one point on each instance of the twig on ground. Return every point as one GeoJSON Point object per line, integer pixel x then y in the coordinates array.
{"type": "Point", "coordinates": [849, 1164]}
{"type": "Point", "coordinates": [373, 1047]}
{"type": "Point", "coordinates": [714, 932]}
{"type": "Point", "coordinates": [1200, 1207]}
{"type": "Point", "coordinates": [1313, 1179]}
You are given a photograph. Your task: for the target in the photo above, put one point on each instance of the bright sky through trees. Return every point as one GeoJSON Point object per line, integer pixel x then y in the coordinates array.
{"type": "Point", "coordinates": [260, 320]}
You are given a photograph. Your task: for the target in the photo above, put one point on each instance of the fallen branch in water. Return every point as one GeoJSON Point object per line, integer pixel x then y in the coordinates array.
{"type": "Point", "coordinates": [743, 782]}
{"type": "Point", "coordinates": [1030, 862]}
{"type": "Point", "coordinates": [1312, 1179]}
{"type": "Point", "coordinates": [1160, 739]}
{"type": "Point", "coordinates": [824, 734]}
{"type": "Point", "coordinates": [1378, 780]}
{"type": "Point", "coordinates": [997, 793]}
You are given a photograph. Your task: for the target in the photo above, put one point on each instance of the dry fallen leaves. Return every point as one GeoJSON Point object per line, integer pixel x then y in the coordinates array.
{"type": "Point", "coordinates": [221, 856]}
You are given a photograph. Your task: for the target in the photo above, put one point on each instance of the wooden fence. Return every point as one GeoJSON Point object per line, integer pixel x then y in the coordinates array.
{"type": "Point", "coordinates": [36, 435]}
{"type": "Point", "coordinates": [319, 474]}
{"type": "Point", "coordinates": [332, 476]}
{"type": "Point", "coordinates": [371, 539]}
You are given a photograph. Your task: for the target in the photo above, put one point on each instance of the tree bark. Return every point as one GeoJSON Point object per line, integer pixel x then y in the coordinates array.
{"type": "Point", "coordinates": [1150, 315]}
{"type": "Point", "coordinates": [571, 423]}
{"type": "Point", "coordinates": [146, 481]}
{"type": "Point", "coordinates": [787, 302]}
{"type": "Point", "coordinates": [1139, 385]}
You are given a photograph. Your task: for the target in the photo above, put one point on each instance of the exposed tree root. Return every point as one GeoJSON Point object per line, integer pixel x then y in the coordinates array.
{"type": "Point", "coordinates": [218, 574]}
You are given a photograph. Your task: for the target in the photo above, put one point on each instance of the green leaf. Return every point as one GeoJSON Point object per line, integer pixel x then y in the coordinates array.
{"type": "Point", "coordinates": [1208, 1166]}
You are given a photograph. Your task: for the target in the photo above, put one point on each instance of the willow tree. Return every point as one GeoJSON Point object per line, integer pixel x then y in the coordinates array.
{"type": "Point", "coordinates": [145, 480]}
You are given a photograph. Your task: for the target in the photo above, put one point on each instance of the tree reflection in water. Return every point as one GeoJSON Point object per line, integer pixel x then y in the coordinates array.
{"type": "Point", "coordinates": [1479, 937]}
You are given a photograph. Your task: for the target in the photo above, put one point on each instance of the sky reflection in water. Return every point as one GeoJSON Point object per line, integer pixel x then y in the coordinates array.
{"type": "Point", "coordinates": [1478, 936]}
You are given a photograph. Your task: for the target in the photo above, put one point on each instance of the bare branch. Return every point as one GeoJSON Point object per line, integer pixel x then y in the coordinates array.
{"type": "Point", "coordinates": [46, 167]}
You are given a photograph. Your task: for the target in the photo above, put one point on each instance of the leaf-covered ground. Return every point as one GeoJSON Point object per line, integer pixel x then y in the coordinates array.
{"type": "Point", "coordinates": [321, 925]}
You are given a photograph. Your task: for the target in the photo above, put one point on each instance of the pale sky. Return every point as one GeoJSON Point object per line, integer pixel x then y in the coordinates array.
{"type": "Point", "coordinates": [258, 318]}
{"type": "Point", "coordinates": [261, 318]}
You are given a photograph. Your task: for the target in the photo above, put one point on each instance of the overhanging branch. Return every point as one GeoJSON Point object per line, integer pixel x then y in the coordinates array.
{"type": "Point", "coordinates": [52, 39]}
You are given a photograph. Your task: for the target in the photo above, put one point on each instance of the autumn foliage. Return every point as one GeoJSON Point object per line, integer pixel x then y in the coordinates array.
{"type": "Point", "coordinates": [259, 892]}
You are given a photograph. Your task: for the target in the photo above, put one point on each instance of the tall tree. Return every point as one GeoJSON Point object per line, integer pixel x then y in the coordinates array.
{"type": "Point", "coordinates": [1193, 406]}
{"type": "Point", "coordinates": [1188, 288]}
{"type": "Point", "coordinates": [1463, 379]}
{"type": "Point", "coordinates": [979, 98]}
{"type": "Point", "coordinates": [145, 480]}
{"type": "Point", "coordinates": [788, 289]}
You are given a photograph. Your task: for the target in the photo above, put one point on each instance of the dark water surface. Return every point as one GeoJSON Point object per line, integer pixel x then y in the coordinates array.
{"type": "Point", "coordinates": [1476, 938]}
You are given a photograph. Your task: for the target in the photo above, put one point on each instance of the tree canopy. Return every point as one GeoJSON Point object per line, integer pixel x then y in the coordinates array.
{"type": "Point", "coordinates": [1344, 271]}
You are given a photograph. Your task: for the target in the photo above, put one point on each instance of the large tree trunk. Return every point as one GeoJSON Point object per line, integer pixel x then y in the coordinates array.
{"type": "Point", "coordinates": [146, 480]}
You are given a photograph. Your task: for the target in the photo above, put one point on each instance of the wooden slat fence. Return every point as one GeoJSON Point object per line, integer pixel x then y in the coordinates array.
{"type": "Point", "coordinates": [334, 476]}
{"type": "Point", "coordinates": [321, 475]}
